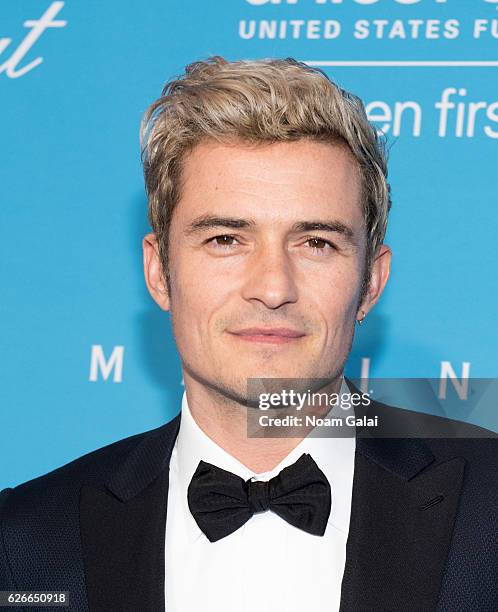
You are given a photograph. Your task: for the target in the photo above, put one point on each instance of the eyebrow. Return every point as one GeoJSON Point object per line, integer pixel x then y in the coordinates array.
{"type": "Point", "coordinates": [212, 221]}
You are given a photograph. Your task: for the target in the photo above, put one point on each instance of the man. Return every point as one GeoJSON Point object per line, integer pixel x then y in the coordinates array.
{"type": "Point", "coordinates": [269, 201]}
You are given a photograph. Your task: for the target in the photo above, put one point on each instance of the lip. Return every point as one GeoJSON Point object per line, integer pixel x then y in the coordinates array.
{"type": "Point", "coordinates": [270, 335]}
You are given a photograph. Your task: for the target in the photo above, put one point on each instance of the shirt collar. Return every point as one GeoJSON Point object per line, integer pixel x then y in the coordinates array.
{"type": "Point", "coordinates": [333, 455]}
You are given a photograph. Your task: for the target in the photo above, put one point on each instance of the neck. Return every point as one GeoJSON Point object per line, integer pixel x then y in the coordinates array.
{"type": "Point", "coordinates": [224, 420]}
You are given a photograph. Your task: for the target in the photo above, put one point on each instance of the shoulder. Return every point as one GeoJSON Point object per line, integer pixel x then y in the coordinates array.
{"type": "Point", "coordinates": [62, 485]}
{"type": "Point", "coordinates": [42, 515]}
{"type": "Point", "coordinates": [446, 438]}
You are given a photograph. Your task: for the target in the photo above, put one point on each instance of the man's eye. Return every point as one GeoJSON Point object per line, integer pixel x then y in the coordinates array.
{"type": "Point", "coordinates": [320, 245]}
{"type": "Point", "coordinates": [223, 240]}
{"type": "Point", "coordinates": [317, 245]}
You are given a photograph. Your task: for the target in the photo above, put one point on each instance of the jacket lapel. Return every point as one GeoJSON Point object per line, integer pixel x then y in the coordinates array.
{"type": "Point", "coordinates": [122, 527]}
{"type": "Point", "coordinates": [403, 509]}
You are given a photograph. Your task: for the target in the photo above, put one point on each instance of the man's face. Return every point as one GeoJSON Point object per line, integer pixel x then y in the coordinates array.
{"type": "Point", "coordinates": [266, 250]}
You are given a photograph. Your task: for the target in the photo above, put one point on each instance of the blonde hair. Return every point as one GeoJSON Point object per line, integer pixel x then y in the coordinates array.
{"type": "Point", "coordinates": [260, 101]}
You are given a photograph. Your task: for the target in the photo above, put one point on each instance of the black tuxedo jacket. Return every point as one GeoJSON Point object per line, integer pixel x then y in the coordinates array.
{"type": "Point", "coordinates": [423, 533]}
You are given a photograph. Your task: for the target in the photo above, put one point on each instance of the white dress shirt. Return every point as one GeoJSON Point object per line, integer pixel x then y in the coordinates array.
{"type": "Point", "coordinates": [267, 564]}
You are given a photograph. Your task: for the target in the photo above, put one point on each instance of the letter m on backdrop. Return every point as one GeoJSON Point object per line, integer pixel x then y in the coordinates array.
{"type": "Point", "coordinates": [114, 364]}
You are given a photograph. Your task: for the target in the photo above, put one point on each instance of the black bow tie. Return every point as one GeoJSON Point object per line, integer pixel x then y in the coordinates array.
{"type": "Point", "coordinates": [221, 502]}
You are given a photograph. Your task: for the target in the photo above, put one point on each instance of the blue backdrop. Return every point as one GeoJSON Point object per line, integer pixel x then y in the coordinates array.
{"type": "Point", "coordinates": [75, 78]}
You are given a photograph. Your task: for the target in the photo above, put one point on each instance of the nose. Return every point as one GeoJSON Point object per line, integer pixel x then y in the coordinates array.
{"type": "Point", "coordinates": [270, 277]}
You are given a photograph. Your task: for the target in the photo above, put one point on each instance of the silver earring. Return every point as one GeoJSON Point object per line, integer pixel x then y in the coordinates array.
{"type": "Point", "coordinates": [360, 321]}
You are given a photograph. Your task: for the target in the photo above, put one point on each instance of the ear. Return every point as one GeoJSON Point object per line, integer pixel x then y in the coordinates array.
{"type": "Point", "coordinates": [378, 279]}
{"type": "Point", "coordinates": [153, 273]}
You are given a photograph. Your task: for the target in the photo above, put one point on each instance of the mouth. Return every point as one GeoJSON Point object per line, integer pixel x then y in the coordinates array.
{"type": "Point", "coordinates": [268, 335]}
